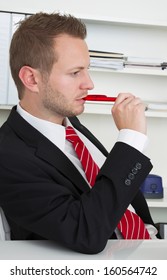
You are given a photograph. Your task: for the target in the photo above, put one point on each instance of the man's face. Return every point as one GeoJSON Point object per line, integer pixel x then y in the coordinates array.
{"type": "Point", "coordinates": [69, 81]}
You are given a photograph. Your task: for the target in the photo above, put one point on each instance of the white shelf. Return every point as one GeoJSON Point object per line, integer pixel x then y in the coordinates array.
{"type": "Point", "coordinates": [135, 71]}
{"type": "Point", "coordinates": [104, 108]}
{"type": "Point", "coordinates": [6, 107]}
{"type": "Point", "coordinates": [122, 21]}
{"type": "Point", "coordinates": [156, 114]}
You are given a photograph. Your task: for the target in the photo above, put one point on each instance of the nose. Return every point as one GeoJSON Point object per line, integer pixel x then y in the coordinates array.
{"type": "Point", "coordinates": [87, 83]}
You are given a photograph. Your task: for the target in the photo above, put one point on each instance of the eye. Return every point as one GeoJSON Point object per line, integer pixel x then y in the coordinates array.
{"type": "Point", "coordinates": [75, 73]}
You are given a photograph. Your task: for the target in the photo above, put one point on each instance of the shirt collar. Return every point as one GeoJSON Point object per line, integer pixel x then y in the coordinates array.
{"type": "Point", "coordinates": [48, 129]}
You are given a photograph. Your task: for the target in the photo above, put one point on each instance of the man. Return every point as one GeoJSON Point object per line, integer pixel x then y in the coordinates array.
{"type": "Point", "coordinates": [44, 191]}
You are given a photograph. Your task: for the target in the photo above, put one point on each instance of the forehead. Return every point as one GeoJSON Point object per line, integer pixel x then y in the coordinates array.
{"type": "Point", "coordinates": [70, 48]}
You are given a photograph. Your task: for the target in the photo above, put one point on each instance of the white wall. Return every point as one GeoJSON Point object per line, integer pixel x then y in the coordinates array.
{"type": "Point", "coordinates": [135, 9]}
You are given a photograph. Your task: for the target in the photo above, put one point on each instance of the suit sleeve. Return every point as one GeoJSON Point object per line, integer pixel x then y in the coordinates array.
{"type": "Point", "coordinates": [40, 200]}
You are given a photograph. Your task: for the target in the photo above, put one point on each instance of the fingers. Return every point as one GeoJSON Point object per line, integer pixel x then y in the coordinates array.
{"type": "Point", "coordinates": [128, 101]}
{"type": "Point", "coordinates": [124, 96]}
{"type": "Point", "coordinates": [128, 112]}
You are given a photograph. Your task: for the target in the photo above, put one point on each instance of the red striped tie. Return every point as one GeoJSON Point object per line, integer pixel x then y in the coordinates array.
{"type": "Point", "coordinates": [131, 225]}
{"type": "Point", "coordinates": [90, 167]}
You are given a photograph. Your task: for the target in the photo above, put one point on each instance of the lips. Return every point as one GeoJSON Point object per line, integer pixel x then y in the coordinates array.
{"type": "Point", "coordinates": [83, 97]}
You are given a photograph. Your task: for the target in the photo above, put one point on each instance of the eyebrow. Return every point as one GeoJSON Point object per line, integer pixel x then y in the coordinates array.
{"type": "Point", "coordinates": [79, 67]}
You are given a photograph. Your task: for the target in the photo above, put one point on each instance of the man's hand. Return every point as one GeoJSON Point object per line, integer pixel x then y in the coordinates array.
{"type": "Point", "coordinates": [129, 112]}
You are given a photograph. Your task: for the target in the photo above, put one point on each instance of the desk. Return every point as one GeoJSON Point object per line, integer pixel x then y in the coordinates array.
{"type": "Point", "coordinates": [114, 250]}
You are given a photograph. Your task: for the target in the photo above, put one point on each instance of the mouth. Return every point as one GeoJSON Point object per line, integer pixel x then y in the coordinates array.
{"type": "Point", "coordinates": [80, 101]}
{"type": "Point", "coordinates": [83, 98]}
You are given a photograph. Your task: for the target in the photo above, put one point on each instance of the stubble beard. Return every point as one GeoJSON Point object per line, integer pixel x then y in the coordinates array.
{"type": "Point", "coordinates": [56, 103]}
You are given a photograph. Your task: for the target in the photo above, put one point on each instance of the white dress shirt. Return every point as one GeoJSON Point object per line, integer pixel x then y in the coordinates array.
{"type": "Point", "coordinates": [50, 130]}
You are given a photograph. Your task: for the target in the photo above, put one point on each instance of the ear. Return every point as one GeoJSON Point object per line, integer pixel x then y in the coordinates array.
{"type": "Point", "coordinates": [29, 78]}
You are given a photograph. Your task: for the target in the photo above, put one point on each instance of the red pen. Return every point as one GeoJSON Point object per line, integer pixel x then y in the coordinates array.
{"type": "Point", "coordinates": [99, 97]}
{"type": "Point", "coordinates": [102, 97]}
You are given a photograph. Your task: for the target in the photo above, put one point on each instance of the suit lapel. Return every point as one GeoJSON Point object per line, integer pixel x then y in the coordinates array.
{"type": "Point", "coordinates": [50, 153]}
{"type": "Point", "coordinates": [46, 150]}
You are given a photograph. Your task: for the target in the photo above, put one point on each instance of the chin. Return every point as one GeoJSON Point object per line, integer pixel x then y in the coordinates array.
{"type": "Point", "coordinates": [75, 112]}
{"type": "Point", "coordinates": [80, 111]}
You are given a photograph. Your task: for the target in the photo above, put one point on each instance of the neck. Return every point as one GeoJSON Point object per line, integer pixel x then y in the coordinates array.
{"type": "Point", "coordinates": [41, 113]}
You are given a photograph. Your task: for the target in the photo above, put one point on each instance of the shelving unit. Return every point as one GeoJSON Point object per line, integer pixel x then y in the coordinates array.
{"type": "Point", "coordinates": [6, 107]}
{"type": "Point", "coordinates": [138, 38]}
{"type": "Point", "coordinates": [122, 20]}
{"type": "Point", "coordinates": [134, 38]}
{"type": "Point", "coordinates": [104, 108]}
{"type": "Point", "coordinates": [131, 70]}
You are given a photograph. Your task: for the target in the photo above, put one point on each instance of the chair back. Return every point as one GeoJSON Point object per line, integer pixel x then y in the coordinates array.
{"type": "Point", "coordinates": [4, 227]}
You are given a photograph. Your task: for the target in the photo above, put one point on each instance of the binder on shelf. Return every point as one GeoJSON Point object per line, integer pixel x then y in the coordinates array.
{"type": "Point", "coordinates": [104, 54]}
{"type": "Point", "coordinates": [118, 61]}
{"type": "Point", "coordinates": [110, 60]}
{"type": "Point", "coordinates": [12, 91]}
{"type": "Point", "coordinates": [5, 34]}
{"type": "Point", "coordinates": [115, 64]}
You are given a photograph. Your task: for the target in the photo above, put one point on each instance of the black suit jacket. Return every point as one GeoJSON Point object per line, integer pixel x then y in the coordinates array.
{"type": "Point", "coordinates": [44, 196]}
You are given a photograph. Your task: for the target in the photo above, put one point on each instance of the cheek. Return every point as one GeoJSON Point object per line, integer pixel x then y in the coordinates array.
{"type": "Point", "coordinates": [65, 82]}
{"type": "Point", "coordinates": [62, 86]}
{"type": "Point", "coordinates": [65, 85]}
